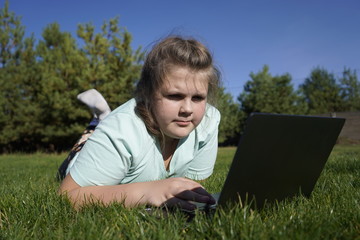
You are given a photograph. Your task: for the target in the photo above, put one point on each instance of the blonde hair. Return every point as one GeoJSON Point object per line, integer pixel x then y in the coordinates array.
{"type": "Point", "coordinates": [169, 53]}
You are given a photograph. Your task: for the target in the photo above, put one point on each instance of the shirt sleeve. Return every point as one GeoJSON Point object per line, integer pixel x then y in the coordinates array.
{"type": "Point", "coordinates": [107, 155]}
{"type": "Point", "coordinates": [203, 163]}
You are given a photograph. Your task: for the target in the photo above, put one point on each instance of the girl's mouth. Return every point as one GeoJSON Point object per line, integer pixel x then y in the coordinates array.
{"type": "Point", "coordinates": [182, 123]}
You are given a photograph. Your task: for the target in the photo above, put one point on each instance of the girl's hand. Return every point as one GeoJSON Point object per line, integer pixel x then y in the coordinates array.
{"type": "Point", "coordinates": [177, 192]}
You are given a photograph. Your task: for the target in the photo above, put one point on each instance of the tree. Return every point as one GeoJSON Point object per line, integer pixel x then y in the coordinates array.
{"type": "Point", "coordinates": [17, 59]}
{"type": "Point", "coordinates": [350, 90]}
{"type": "Point", "coordinates": [231, 118]}
{"type": "Point", "coordinates": [21, 130]}
{"type": "Point", "coordinates": [61, 67]}
{"type": "Point", "coordinates": [321, 92]}
{"type": "Point", "coordinates": [265, 93]}
{"type": "Point", "coordinates": [106, 62]}
{"type": "Point", "coordinates": [11, 36]}
{"type": "Point", "coordinates": [39, 84]}
{"type": "Point", "coordinates": [113, 66]}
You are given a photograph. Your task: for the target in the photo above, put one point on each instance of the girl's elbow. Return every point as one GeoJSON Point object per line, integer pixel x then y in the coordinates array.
{"type": "Point", "coordinates": [68, 186]}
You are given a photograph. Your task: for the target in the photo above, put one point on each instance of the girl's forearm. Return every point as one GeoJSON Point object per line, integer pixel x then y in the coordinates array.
{"type": "Point", "coordinates": [129, 194]}
{"type": "Point", "coordinates": [169, 192]}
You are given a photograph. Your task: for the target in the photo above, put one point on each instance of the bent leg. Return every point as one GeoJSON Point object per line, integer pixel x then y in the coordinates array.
{"type": "Point", "coordinates": [61, 174]}
{"type": "Point", "coordinates": [100, 109]}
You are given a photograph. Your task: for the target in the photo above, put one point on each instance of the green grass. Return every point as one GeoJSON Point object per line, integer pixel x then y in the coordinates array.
{"type": "Point", "coordinates": [31, 209]}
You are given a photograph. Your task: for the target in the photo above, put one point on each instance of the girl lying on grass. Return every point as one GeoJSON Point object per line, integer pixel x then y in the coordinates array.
{"type": "Point", "coordinates": [150, 150]}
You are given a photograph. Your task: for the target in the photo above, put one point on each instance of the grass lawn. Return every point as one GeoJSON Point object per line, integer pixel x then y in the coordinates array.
{"type": "Point", "coordinates": [31, 209]}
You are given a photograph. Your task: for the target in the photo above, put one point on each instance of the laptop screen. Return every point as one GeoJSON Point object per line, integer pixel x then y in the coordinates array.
{"type": "Point", "coordinates": [279, 156]}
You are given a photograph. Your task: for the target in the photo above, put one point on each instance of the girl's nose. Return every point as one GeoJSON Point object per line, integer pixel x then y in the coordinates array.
{"type": "Point", "coordinates": [186, 107]}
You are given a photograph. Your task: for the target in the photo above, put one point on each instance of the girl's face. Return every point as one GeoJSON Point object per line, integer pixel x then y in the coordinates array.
{"type": "Point", "coordinates": [180, 103]}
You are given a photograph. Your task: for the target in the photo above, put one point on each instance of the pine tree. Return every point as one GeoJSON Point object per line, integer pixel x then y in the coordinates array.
{"type": "Point", "coordinates": [321, 92]}
{"type": "Point", "coordinates": [16, 63]}
{"type": "Point", "coordinates": [114, 67]}
{"type": "Point", "coordinates": [265, 93]}
{"type": "Point", "coordinates": [61, 67]}
{"type": "Point", "coordinates": [24, 124]}
{"type": "Point", "coordinates": [39, 84]}
{"type": "Point", "coordinates": [231, 118]}
{"type": "Point", "coordinates": [350, 90]}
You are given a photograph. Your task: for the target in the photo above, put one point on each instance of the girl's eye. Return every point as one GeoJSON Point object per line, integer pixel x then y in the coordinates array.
{"type": "Point", "coordinates": [174, 96]}
{"type": "Point", "coordinates": [198, 98]}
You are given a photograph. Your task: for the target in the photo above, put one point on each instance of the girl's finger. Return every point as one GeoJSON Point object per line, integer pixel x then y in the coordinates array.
{"type": "Point", "coordinates": [195, 195]}
{"type": "Point", "coordinates": [180, 203]}
{"type": "Point", "coordinates": [203, 192]}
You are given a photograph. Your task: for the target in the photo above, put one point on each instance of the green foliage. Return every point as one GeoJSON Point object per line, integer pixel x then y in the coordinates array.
{"type": "Point", "coordinates": [270, 94]}
{"type": "Point", "coordinates": [11, 36]}
{"type": "Point", "coordinates": [16, 76]}
{"type": "Point", "coordinates": [113, 67]}
{"type": "Point", "coordinates": [322, 92]}
{"type": "Point", "coordinates": [350, 90]}
{"type": "Point", "coordinates": [39, 83]}
{"type": "Point", "coordinates": [61, 74]}
{"type": "Point", "coordinates": [31, 209]}
{"type": "Point", "coordinates": [21, 126]}
{"type": "Point", "coordinates": [231, 118]}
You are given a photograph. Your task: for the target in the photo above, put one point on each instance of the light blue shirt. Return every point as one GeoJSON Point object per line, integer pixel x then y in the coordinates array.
{"type": "Point", "coordinates": [122, 151]}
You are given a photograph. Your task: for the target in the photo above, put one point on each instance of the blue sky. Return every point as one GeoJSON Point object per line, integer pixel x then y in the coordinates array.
{"type": "Point", "coordinates": [291, 36]}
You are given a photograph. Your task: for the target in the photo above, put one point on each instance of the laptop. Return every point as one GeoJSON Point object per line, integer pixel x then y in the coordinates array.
{"type": "Point", "coordinates": [278, 157]}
